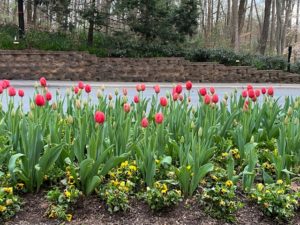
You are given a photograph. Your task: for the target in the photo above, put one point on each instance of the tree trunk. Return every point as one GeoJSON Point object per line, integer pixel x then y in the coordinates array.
{"type": "Point", "coordinates": [228, 13]}
{"type": "Point", "coordinates": [29, 11]}
{"type": "Point", "coordinates": [34, 12]}
{"type": "Point", "coordinates": [297, 22]}
{"type": "Point", "coordinates": [258, 18]}
{"type": "Point", "coordinates": [241, 14]}
{"type": "Point", "coordinates": [234, 25]}
{"type": "Point", "coordinates": [91, 26]}
{"type": "Point", "coordinates": [278, 27]}
{"type": "Point", "coordinates": [218, 12]}
{"type": "Point", "coordinates": [265, 29]}
{"type": "Point", "coordinates": [272, 26]}
{"type": "Point", "coordinates": [21, 18]}
{"type": "Point", "coordinates": [288, 12]}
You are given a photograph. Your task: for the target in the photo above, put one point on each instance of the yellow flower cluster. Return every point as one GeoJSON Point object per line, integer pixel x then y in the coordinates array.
{"type": "Point", "coordinates": [70, 178]}
{"type": "Point", "coordinates": [163, 188]}
{"type": "Point", "coordinates": [122, 185]}
{"type": "Point", "coordinates": [129, 169]}
{"type": "Point", "coordinates": [235, 153]}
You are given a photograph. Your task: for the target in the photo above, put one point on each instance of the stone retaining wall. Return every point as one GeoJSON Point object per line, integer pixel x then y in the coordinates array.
{"type": "Point", "coordinates": [30, 65]}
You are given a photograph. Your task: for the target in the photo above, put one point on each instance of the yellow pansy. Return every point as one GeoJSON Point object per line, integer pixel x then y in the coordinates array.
{"type": "Point", "coordinates": [8, 190]}
{"type": "Point", "coordinates": [9, 202]}
{"type": "Point", "coordinates": [67, 193]}
{"type": "Point", "coordinates": [279, 182]}
{"type": "Point", "coordinates": [260, 186]}
{"type": "Point", "coordinates": [229, 183]}
{"type": "Point", "coordinates": [2, 208]}
{"type": "Point", "coordinates": [69, 217]}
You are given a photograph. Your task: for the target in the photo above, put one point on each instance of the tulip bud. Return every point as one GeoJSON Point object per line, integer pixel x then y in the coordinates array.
{"type": "Point", "coordinates": [286, 120]}
{"type": "Point", "coordinates": [116, 91]}
{"type": "Point", "coordinates": [125, 99]}
{"type": "Point", "coordinates": [54, 106]}
{"type": "Point", "coordinates": [226, 96]}
{"type": "Point", "coordinates": [103, 87]}
{"type": "Point", "coordinates": [111, 105]}
{"type": "Point", "coordinates": [13, 113]}
{"type": "Point", "coordinates": [70, 120]}
{"type": "Point", "coordinates": [252, 140]}
{"type": "Point", "coordinates": [78, 104]}
{"type": "Point", "coordinates": [32, 106]}
{"type": "Point", "coordinates": [224, 102]}
{"type": "Point", "coordinates": [110, 97]}
{"type": "Point", "coordinates": [36, 85]}
{"type": "Point", "coordinates": [30, 115]}
{"type": "Point", "coordinates": [296, 121]}
{"type": "Point", "coordinates": [296, 104]}
{"type": "Point", "coordinates": [235, 123]}
{"type": "Point", "coordinates": [68, 91]}
{"type": "Point", "coordinates": [200, 132]}
{"type": "Point", "coordinates": [193, 110]}
{"type": "Point", "coordinates": [290, 111]}
{"type": "Point", "coordinates": [193, 125]}
{"type": "Point", "coordinates": [99, 93]}
{"type": "Point", "coordinates": [182, 139]}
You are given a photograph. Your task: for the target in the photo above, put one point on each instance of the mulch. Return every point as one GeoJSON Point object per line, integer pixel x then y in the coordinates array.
{"type": "Point", "coordinates": [92, 211]}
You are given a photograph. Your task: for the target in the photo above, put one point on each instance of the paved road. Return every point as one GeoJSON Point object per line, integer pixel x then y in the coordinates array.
{"type": "Point", "coordinates": [281, 90]}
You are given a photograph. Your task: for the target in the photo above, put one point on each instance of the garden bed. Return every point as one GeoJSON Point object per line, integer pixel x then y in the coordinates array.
{"type": "Point", "coordinates": [158, 160]}
{"type": "Point", "coordinates": [92, 211]}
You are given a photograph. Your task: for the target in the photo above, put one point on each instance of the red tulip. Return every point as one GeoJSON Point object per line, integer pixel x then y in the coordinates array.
{"type": "Point", "coordinates": [143, 87]}
{"type": "Point", "coordinates": [11, 92]}
{"type": "Point", "coordinates": [48, 96]}
{"type": "Point", "coordinates": [202, 91]}
{"type": "Point", "coordinates": [125, 92]}
{"type": "Point", "coordinates": [1, 89]}
{"type": "Point", "coordinates": [251, 93]}
{"type": "Point", "coordinates": [244, 93]}
{"type": "Point", "coordinates": [110, 97]}
{"type": "Point", "coordinates": [5, 84]}
{"type": "Point", "coordinates": [21, 93]}
{"type": "Point", "coordinates": [188, 85]}
{"type": "Point", "coordinates": [88, 88]}
{"type": "Point", "coordinates": [163, 101]}
{"type": "Point", "coordinates": [215, 98]}
{"type": "Point", "coordinates": [212, 90]}
{"type": "Point", "coordinates": [80, 85]}
{"type": "Point", "coordinates": [178, 89]}
{"type": "Point", "coordinates": [76, 90]}
{"type": "Point", "coordinates": [159, 117]}
{"type": "Point", "coordinates": [144, 122]}
{"type": "Point", "coordinates": [257, 92]}
{"type": "Point", "coordinates": [156, 89]}
{"type": "Point", "coordinates": [126, 107]}
{"type": "Point", "coordinates": [270, 91]}
{"type": "Point", "coordinates": [254, 99]}
{"type": "Point", "coordinates": [175, 96]}
{"type": "Point", "coordinates": [99, 117]}
{"type": "Point", "coordinates": [263, 90]}
{"type": "Point", "coordinates": [39, 100]}
{"type": "Point", "coordinates": [207, 99]}
{"type": "Point", "coordinates": [180, 97]}
{"type": "Point", "coordinates": [136, 99]}
{"type": "Point", "coordinates": [138, 87]}
{"type": "Point", "coordinates": [249, 87]}
{"type": "Point", "coordinates": [43, 81]}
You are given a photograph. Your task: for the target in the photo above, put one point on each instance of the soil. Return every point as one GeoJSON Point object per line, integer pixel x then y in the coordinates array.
{"type": "Point", "coordinates": [91, 211]}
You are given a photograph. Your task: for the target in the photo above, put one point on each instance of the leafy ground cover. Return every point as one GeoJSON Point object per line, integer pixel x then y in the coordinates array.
{"type": "Point", "coordinates": [228, 160]}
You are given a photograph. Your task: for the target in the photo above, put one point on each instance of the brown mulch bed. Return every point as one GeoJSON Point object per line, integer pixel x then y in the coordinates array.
{"type": "Point", "coordinates": [92, 211]}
